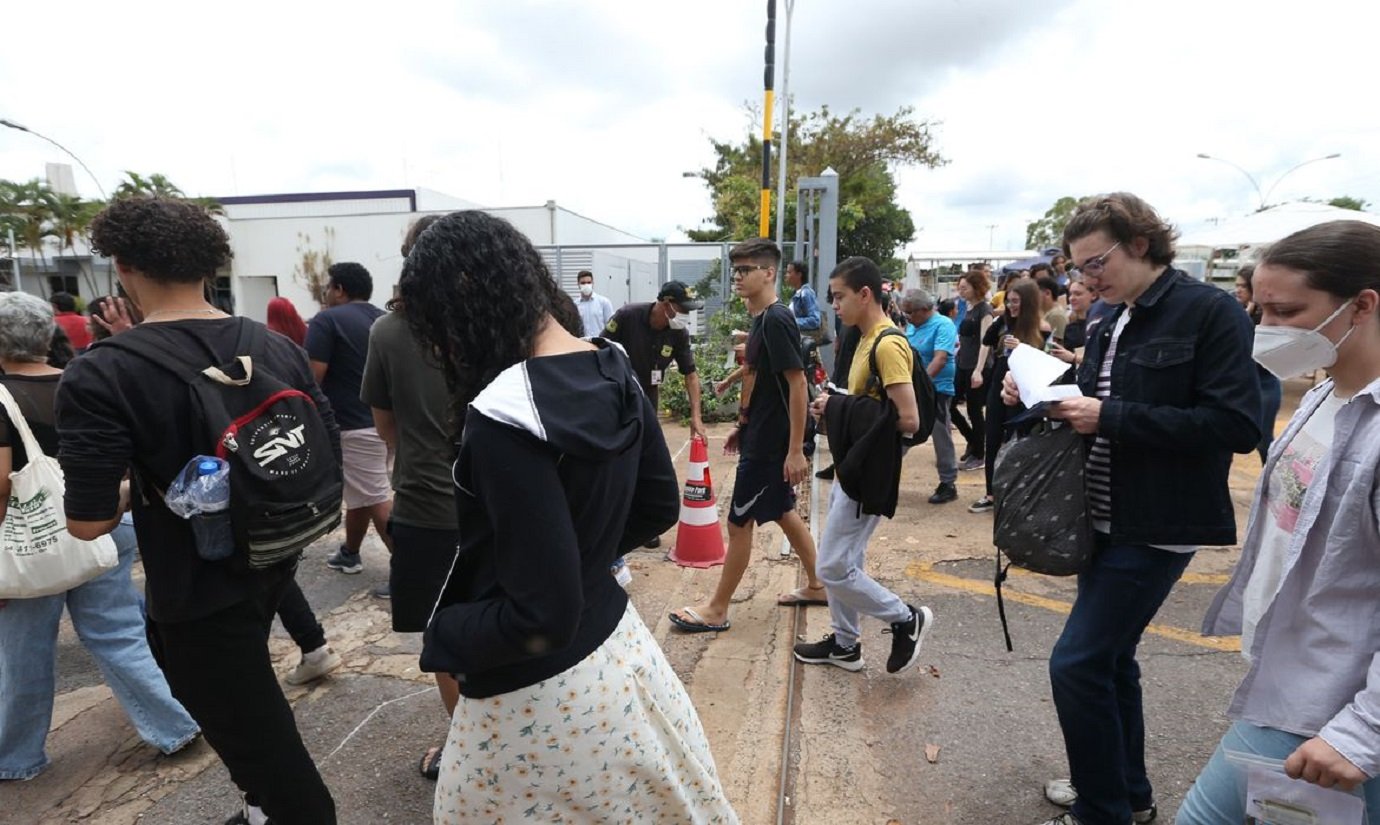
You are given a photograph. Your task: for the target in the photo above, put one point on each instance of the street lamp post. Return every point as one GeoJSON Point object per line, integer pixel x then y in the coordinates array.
{"type": "Point", "coordinates": [1263, 199]}
{"type": "Point", "coordinates": [12, 125]}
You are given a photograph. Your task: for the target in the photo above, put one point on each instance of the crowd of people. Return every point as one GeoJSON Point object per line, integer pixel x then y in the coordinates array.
{"type": "Point", "coordinates": [509, 454]}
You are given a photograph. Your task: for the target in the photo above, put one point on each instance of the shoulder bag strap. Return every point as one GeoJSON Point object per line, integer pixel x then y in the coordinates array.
{"type": "Point", "coordinates": [26, 435]}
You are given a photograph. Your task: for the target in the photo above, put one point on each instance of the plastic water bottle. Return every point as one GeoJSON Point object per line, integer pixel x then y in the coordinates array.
{"type": "Point", "coordinates": [209, 492]}
{"type": "Point", "coordinates": [620, 572]}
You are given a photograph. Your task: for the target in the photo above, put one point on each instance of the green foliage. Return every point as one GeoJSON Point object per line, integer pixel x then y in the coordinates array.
{"type": "Point", "coordinates": [863, 151]}
{"type": "Point", "coordinates": [159, 185]}
{"type": "Point", "coordinates": [1049, 230]}
{"type": "Point", "coordinates": [711, 349]}
{"type": "Point", "coordinates": [1348, 202]}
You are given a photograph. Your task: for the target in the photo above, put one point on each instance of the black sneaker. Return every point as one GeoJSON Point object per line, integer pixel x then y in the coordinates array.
{"type": "Point", "coordinates": [653, 544]}
{"type": "Point", "coordinates": [242, 818]}
{"type": "Point", "coordinates": [982, 505]}
{"type": "Point", "coordinates": [827, 474]}
{"type": "Point", "coordinates": [828, 652]}
{"type": "Point", "coordinates": [906, 638]}
{"type": "Point", "coordinates": [944, 493]}
{"type": "Point", "coordinates": [345, 561]}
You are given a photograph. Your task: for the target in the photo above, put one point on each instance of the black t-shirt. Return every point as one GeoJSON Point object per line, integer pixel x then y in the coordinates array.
{"type": "Point", "coordinates": [773, 346]}
{"type": "Point", "coordinates": [650, 350]}
{"type": "Point", "coordinates": [118, 412]}
{"type": "Point", "coordinates": [34, 396]}
{"type": "Point", "coordinates": [339, 338]}
{"type": "Point", "coordinates": [970, 335]}
{"type": "Point", "coordinates": [1076, 334]}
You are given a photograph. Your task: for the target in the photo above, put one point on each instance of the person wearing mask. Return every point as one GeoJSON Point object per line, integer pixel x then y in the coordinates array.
{"type": "Point", "coordinates": [595, 309]}
{"type": "Point", "coordinates": [1305, 596]}
{"type": "Point", "coordinates": [105, 611]}
{"type": "Point", "coordinates": [1168, 396]}
{"type": "Point", "coordinates": [1271, 390]}
{"type": "Point", "coordinates": [208, 622]}
{"type": "Point", "coordinates": [973, 287]}
{"type": "Point", "coordinates": [561, 468]}
{"type": "Point", "coordinates": [1020, 323]}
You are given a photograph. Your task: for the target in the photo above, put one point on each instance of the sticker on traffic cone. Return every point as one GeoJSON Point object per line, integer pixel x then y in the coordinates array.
{"type": "Point", "coordinates": [699, 541]}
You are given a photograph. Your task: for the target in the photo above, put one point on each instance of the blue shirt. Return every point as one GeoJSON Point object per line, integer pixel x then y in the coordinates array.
{"type": "Point", "coordinates": [938, 334]}
{"type": "Point", "coordinates": [805, 307]}
{"type": "Point", "coordinates": [595, 312]}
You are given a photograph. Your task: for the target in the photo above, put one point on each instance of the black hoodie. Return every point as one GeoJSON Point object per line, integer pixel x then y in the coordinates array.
{"type": "Point", "coordinates": [562, 468]}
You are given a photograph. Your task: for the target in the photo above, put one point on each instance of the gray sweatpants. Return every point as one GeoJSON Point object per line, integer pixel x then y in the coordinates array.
{"type": "Point", "coordinates": [945, 460]}
{"type": "Point", "coordinates": [852, 593]}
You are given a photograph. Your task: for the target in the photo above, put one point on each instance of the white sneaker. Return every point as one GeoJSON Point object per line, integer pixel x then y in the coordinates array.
{"type": "Point", "coordinates": [1062, 793]}
{"type": "Point", "coordinates": [313, 666]}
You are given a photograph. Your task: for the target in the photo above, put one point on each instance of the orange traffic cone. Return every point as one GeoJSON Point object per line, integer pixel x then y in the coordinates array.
{"type": "Point", "coordinates": [699, 541]}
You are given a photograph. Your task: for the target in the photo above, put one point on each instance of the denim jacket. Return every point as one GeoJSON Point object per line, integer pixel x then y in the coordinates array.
{"type": "Point", "coordinates": [805, 308]}
{"type": "Point", "coordinates": [1315, 660]}
{"type": "Point", "coordinates": [1184, 398]}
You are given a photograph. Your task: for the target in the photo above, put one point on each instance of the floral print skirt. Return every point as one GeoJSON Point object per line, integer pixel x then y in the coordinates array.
{"type": "Point", "coordinates": [614, 739]}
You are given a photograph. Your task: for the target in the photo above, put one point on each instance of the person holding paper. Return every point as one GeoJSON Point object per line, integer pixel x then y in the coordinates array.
{"type": "Point", "coordinates": [1168, 394]}
{"type": "Point", "coordinates": [1305, 596]}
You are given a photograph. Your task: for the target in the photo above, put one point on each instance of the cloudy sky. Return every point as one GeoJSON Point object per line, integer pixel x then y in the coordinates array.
{"type": "Point", "coordinates": [602, 104]}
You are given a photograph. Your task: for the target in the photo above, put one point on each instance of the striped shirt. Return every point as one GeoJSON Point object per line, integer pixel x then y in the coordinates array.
{"type": "Point", "coordinates": [1099, 469]}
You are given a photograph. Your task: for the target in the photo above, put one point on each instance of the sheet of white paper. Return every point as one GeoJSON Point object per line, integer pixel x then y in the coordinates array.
{"type": "Point", "coordinates": [1034, 371]}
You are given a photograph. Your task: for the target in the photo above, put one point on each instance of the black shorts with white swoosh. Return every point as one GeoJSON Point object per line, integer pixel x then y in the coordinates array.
{"type": "Point", "coordinates": [760, 492]}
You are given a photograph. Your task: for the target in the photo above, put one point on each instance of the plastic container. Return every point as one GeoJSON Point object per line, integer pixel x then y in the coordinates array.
{"type": "Point", "coordinates": [201, 494]}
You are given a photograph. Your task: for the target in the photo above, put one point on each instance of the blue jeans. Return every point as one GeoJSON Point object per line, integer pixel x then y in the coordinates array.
{"type": "Point", "coordinates": [1096, 679]}
{"type": "Point", "coordinates": [1218, 797]}
{"type": "Point", "coordinates": [109, 621]}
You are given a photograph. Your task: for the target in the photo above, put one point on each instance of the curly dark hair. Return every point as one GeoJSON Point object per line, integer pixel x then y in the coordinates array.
{"type": "Point", "coordinates": [1124, 217]}
{"type": "Point", "coordinates": [477, 291]}
{"type": "Point", "coordinates": [168, 240]}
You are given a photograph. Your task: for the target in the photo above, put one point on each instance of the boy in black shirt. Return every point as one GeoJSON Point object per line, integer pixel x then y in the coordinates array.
{"type": "Point", "coordinates": [208, 622]}
{"type": "Point", "coordinates": [770, 439]}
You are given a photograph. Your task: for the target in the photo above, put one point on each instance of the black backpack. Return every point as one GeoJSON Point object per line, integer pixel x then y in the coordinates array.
{"type": "Point", "coordinates": [926, 399]}
{"type": "Point", "coordinates": [285, 481]}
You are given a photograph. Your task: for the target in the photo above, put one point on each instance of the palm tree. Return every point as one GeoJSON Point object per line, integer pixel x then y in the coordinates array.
{"type": "Point", "coordinates": [35, 201]}
{"type": "Point", "coordinates": [71, 218]}
{"type": "Point", "coordinates": [159, 185]}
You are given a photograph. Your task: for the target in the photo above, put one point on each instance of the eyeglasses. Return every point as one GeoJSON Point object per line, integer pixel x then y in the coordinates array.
{"type": "Point", "coordinates": [1095, 265]}
{"type": "Point", "coordinates": [744, 269]}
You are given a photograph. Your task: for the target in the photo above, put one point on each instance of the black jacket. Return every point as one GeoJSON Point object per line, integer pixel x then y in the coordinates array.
{"type": "Point", "coordinates": [1184, 398]}
{"type": "Point", "coordinates": [562, 468]}
{"type": "Point", "coordinates": [867, 451]}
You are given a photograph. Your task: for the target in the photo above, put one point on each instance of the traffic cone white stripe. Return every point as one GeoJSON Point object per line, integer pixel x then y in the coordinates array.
{"type": "Point", "coordinates": [699, 539]}
{"type": "Point", "coordinates": [699, 516]}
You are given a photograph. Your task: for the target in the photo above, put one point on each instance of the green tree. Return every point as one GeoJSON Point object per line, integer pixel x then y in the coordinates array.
{"type": "Point", "coordinates": [70, 221]}
{"type": "Point", "coordinates": [159, 185]}
{"type": "Point", "coordinates": [864, 151]}
{"type": "Point", "coordinates": [1049, 230]}
{"type": "Point", "coordinates": [1348, 202]}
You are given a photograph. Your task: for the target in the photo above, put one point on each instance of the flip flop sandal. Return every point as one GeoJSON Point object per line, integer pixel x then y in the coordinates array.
{"type": "Point", "coordinates": [430, 766]}
{"type": "Point", "coordinates": [695, 623]}
{"type": "Point", "coordinates": [800, 597]}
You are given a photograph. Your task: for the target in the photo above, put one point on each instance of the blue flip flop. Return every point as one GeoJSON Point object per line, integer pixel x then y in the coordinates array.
{"type": "Point", "coordinates": [696, 623]}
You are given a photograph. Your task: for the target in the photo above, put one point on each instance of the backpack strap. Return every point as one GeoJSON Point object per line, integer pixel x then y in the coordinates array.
{"type": "Point", "coordinates": [874, 380]}
{"type": "Point", "coordinates": [1001, 603]}
{"type": "Point", "coordinates": [187, 364]}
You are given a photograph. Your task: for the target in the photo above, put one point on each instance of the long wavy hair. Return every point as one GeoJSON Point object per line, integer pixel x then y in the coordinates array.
{"type": "Point", "coordinates": [1026, 326]}
{"type": "Point", "coordinates": [477, 292]}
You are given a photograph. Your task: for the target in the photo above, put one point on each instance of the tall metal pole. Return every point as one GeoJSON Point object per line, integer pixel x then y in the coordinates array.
{"type": "Point", "coordinates": [11, 124]}
{"type": "Point", "coordinates": [768, 81]}
{"type": "Point", "coordinates": [785, 135]}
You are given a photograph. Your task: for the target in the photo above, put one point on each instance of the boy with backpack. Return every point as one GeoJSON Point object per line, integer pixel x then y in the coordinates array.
{"type": "Point", "coordinates": [866, 431]}
{"type": "Point", "coordinates": [191, 381]}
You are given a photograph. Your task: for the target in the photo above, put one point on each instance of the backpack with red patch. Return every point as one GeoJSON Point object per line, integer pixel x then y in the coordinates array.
{"type": "Point", "coordinates": [285, 481]}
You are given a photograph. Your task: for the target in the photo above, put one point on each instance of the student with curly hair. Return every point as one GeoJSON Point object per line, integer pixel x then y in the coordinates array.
{"type": "Point", "coordinates": [561, 469]}
{"type": "Point", "coordinates": [208, 621]}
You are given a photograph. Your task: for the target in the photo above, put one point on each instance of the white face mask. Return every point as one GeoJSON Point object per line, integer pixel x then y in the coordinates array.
{"type": "Point", "coordinates": [586, 289]}
{"type": "Point", "coordinates": [679, 322]}
{"type": "Point", "coordinates": [1290, 351]}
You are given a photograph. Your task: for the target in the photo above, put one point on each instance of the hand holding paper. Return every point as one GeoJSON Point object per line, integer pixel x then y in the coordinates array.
{"type": "Point", "coordinates": [1034, 371]}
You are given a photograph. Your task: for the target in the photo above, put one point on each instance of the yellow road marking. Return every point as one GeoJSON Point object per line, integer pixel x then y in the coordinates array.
{"type": "Point", "coordinates": [924, 571]}
{"type": "Point", "coordinates": [1187, 578]}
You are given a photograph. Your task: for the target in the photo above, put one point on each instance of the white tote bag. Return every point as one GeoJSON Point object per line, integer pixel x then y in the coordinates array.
{"type": "Point", "coordinates": [38, 557]}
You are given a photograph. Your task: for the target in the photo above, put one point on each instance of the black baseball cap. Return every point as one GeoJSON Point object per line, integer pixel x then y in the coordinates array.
{"type": "Point", "coordinates": [681, 295]}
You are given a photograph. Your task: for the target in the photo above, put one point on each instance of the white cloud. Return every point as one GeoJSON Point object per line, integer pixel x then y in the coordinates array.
{"type": "Point", "coordinates": [602, 105]}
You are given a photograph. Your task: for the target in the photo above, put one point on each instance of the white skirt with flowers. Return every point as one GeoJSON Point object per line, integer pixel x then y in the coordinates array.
{"type": "Point", "coordinates": [614, 739]}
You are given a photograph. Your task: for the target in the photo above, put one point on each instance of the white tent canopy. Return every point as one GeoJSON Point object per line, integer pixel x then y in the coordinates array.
{"type": "Point", "coordinates": [1271, 225]}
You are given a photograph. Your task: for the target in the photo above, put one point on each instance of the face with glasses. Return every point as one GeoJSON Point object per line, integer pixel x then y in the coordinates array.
{"type": "Point", "coordinates": [1103, 263]}
{"type": "Point", "coordinates": [750, 277]}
